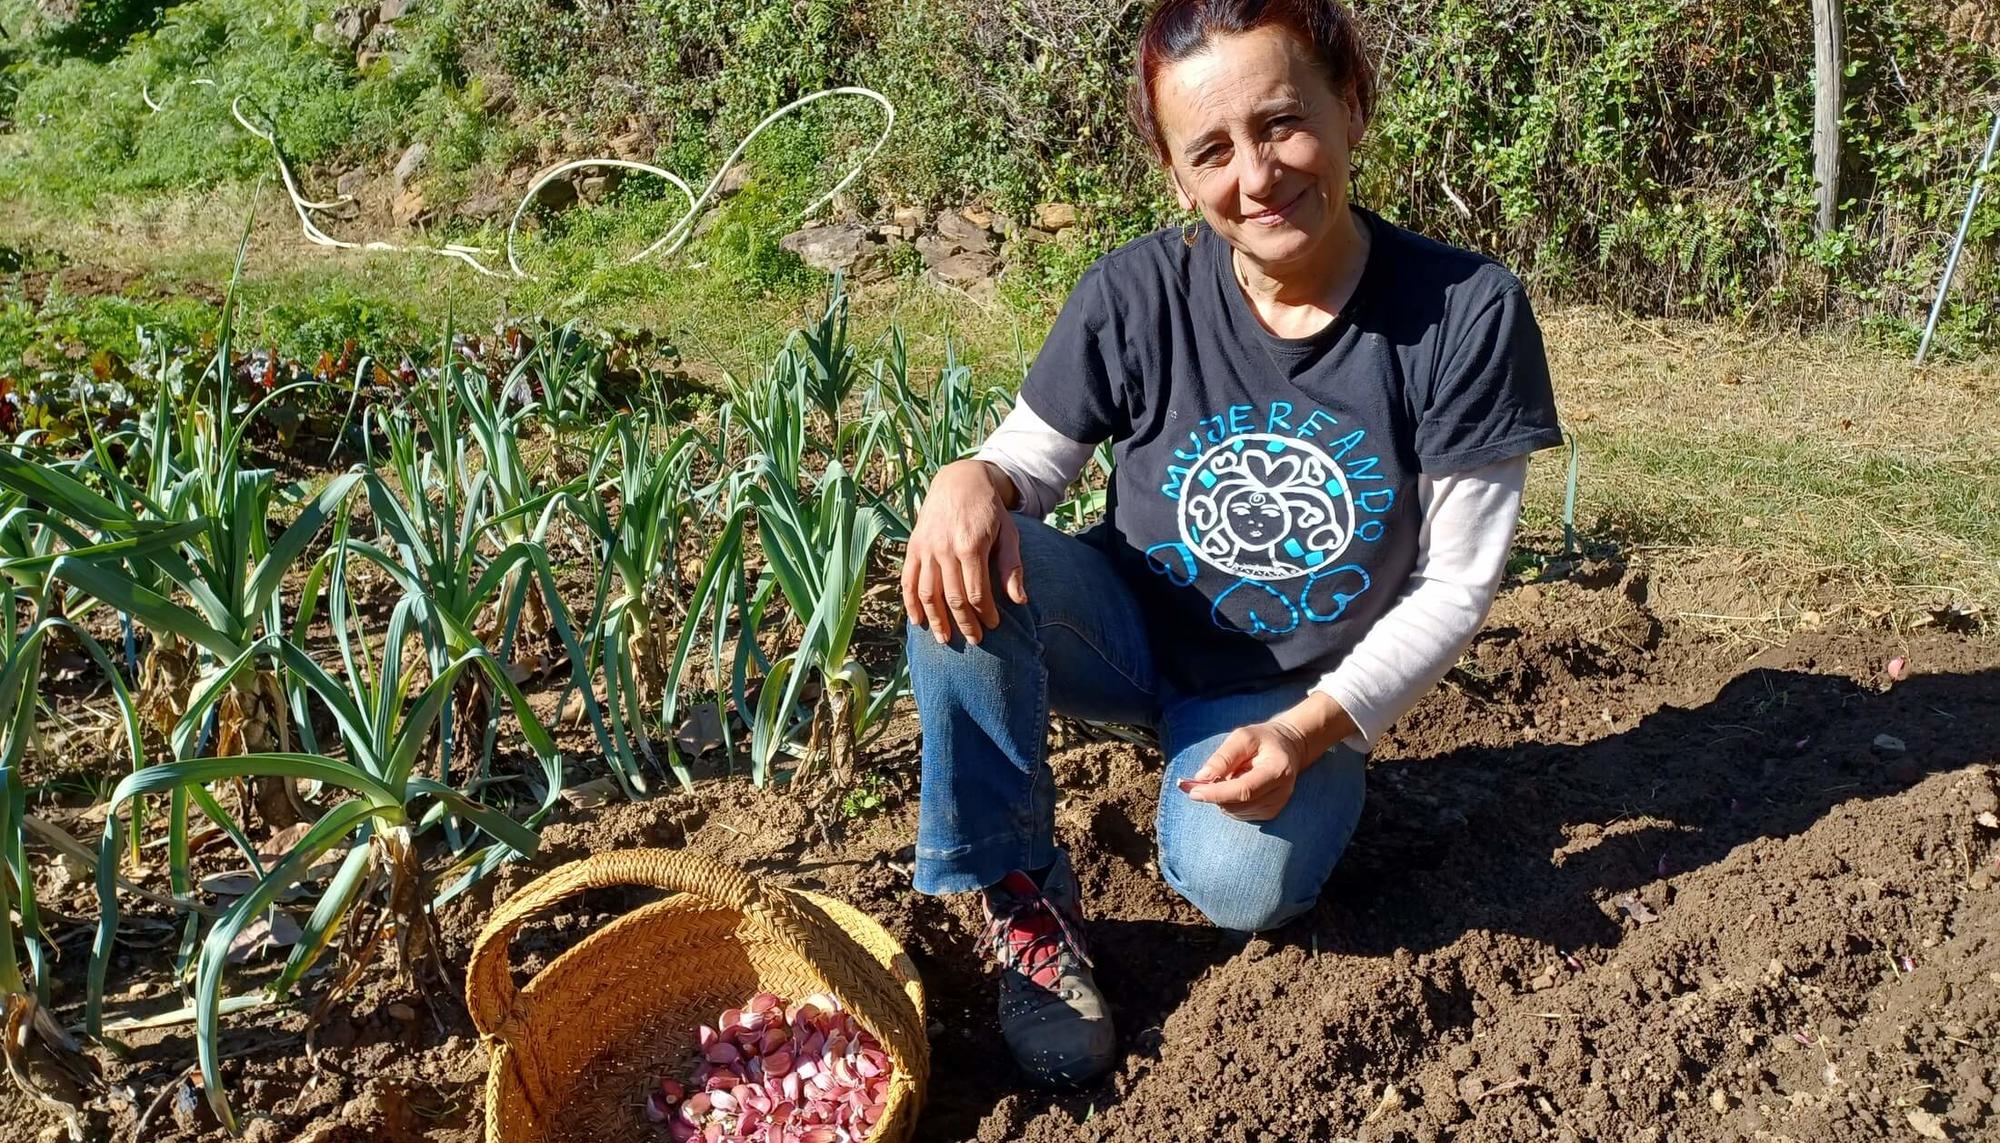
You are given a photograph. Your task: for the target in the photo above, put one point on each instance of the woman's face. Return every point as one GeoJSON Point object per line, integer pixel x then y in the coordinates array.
{"type": "Point", "coordinates": [1258, 141]}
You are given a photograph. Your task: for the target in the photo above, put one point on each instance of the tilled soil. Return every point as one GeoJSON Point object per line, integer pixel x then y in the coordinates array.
{"type": "Point", "coordinates": [1617, 879]}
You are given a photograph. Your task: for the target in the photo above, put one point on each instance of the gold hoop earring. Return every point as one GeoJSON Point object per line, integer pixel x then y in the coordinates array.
{"type": "Point", "coordinates": [1190, 231]}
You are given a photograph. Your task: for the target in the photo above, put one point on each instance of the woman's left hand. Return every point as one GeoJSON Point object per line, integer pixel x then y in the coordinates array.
{"type": "Point", "coordinates": [1251, 775]}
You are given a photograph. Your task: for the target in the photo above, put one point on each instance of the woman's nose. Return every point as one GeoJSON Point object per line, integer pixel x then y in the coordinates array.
{"type": "Point", "coordinates": [1260, 172]}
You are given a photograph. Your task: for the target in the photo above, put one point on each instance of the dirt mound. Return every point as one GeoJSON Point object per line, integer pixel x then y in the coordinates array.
{"type": "Point", "coordinates": [1616, 879]}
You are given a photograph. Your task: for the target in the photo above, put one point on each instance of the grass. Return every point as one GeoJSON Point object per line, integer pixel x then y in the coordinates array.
{"type": "Point", "coordinates": [1829, 473]}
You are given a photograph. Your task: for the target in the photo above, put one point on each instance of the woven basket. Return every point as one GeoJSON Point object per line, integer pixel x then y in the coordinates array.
{"type": "Point", "coordinates": [575, 1052]}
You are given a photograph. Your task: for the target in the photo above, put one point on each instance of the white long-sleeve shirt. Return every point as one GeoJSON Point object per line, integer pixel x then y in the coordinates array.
{"type": "Point", "coordinates": [1467, 531]}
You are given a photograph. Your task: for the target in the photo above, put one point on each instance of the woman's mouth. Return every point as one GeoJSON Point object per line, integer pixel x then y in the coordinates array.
{"type": "Point", "coordinates": [1277, 214]}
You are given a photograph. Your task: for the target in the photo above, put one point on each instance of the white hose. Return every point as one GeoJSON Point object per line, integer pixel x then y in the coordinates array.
{"type": "Point", "coordinates": [668, 243]}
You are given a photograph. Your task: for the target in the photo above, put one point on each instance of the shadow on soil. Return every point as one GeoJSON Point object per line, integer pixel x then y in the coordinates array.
{"type": "Point", "coordinates": [1533, 840]}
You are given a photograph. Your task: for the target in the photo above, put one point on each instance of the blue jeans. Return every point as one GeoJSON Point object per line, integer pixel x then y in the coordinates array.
{"type": "Point", "coordinates": [1080, 647]}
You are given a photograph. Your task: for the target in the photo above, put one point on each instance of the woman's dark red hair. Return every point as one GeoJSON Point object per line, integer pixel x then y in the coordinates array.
{"type": "Point", "coordinates": [1178, 29]}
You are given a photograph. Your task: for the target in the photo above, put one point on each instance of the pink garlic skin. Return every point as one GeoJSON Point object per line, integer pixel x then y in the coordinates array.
{"type": "Point", "coordinates": [769, 1072]}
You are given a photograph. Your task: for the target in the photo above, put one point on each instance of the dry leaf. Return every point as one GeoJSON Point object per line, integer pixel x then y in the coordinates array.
{"type": "Point", "coordinates": [701, 731]}
{"type": "Point", "coordinates": [263, 936]}
{"type": "Point", "coordinates": [592, 794]}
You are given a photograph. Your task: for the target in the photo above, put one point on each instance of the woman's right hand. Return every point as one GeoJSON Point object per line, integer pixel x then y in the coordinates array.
{"type": "Point", "coordinates": [964, 540]}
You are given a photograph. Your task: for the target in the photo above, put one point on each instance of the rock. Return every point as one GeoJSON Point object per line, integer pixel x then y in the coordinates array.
{"type": "Point", "coordinates": [969, 235]}
{"type": "Point", "coordinates": [1927, 1125]}
{"type": "Point", "coordinates": [408, 207]}
{"type": "Point", "coordinates": [1890, 743]}
{"type": "Point", "coordinates": [350, 25]}
{"type": "Point", "coordinates": [483, 206]}
{"type": "Point", "coordinates": [1980, 881]}
{"type": "Point", "coordinates": [630, 145]}
{"type": "Point", "coordinates": [556, 194]}
{"type": "Point", "coordinates": [1054, 216]}
{"type": "Point", "coordinates": [935, 249]}
{"type": "Point", "coordinates": [350, 183]}
{"type": "Point", "coordinates": [829, 248]}
{"type": "Point", "coordinates": [402, 1012]}
{"type": "Point", "coordinates": [1037, 234]}
{"type": "Point", "coordinates": [975, 214]}
{"type": "Point", "coordinates": [911, 218]}
{"type": "Point", "coordinates": [594, 188]}
{"type": "Point", "coordinates": [412, 162]}
{"type": "Point", "coordinates": [394, 10]}
{"type": "Point", "coordinates": [1720, 1101]}
{"type": "Point", "coordinates": [1005, 225]}
{"type": "Point", "coordinates": [733, 180]}
{"type": "Point", "coordinates": [379, 42]}
{"type": "Point", "coordinates": [964, 270]}
{"type": "Point", "coordinates": [499, 94]}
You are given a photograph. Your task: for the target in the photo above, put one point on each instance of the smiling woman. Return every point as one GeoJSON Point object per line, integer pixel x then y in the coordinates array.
{"type": "Point", "coordinates": [1322, 424]}
{"type": "Point", "coordinates": [1258, 133]}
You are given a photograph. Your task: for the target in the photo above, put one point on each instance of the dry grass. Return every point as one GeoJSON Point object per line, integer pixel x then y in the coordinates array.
{"type": "Point", "coordinates": [1797, 477]}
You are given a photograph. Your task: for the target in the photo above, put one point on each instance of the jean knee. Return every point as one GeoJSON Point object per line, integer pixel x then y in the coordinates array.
{"type": "Point", "coordinates": [1216, 885]}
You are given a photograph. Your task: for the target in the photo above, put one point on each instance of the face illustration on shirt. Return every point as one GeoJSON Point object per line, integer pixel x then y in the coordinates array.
{"type": "Point", "coordinates": [1266, 509]}
{"type": "Point", "coordinates": [1278, 512]}
{"type": "Point", "coordinates": [1256, 518]}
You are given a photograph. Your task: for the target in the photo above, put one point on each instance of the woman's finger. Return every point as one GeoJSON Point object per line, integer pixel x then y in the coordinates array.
{"type": "Point", "coordinates": [1229, 757]}
{"type": "Point", "coordinates": [979, 594]}
{"type": "Point", "coordinates": [913, 604]}
{"type": "Point", "coordinates": [1229, 792]}
{"type": "Point", "coordinates": [1008, 573]}
{"type": "Point", "coordinates": [932, 598]}
{"type": "Point", "coordinates": [953, 584]}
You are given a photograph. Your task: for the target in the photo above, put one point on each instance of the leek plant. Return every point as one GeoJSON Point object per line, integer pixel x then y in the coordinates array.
{"type": "Point", "coordinates": [381, 805]}
{"type": "Point", "coordinates": [640, 584]}
{"type": "Point", "coordinates": [818, 551]}
{"type": "Point", "coordinates": [932, 428]}
{"type": "Point", "coordinates": [216, 593]}
{"type": "Point", "coordinates": [464, 543]}
{"type": "Point", "coordinates": [30, 1029]}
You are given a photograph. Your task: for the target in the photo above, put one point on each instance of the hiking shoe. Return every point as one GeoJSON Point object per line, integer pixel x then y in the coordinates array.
{"type": "Point", "coordinates": [1053, 1017]}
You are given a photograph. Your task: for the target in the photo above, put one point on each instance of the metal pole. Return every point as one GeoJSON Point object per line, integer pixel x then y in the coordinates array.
{"type": "Point", "coordinates": [1958, 244]}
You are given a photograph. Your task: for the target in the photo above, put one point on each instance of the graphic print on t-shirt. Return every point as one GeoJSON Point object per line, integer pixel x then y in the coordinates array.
{"type": "Point", "coordinates": [1263, 500]}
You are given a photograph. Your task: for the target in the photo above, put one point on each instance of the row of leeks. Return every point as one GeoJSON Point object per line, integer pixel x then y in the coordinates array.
{"type": "Point", "coordinates": [729, 558]}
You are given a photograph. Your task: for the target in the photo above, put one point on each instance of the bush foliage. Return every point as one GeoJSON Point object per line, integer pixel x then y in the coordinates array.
{"type": "Point", "coordinates": [1650, 153]}
{"type": "Point", "coordinates": [1654, 154]}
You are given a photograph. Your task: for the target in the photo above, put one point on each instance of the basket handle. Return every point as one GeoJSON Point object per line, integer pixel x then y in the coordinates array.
{"type": "Point", "coordinates": [852, 975]}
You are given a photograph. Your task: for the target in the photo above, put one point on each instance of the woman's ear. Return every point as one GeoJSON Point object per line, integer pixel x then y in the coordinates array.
{"type": "Point", "coordinates": [1180, 193]}
{"type": "Point", "coordinates": [1357, 119]}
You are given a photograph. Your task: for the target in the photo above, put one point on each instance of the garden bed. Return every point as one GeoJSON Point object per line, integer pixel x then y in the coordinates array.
{"type": "Point", "coordinates": [1618, 878]}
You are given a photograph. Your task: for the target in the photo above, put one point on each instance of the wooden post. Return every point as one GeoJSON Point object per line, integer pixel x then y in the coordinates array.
{"type": "Point", "coordinates": [1829, 38]}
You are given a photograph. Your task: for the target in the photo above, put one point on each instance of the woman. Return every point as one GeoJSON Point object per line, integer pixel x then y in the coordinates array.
{"type": "Point", "coordinates": [1322, 424]}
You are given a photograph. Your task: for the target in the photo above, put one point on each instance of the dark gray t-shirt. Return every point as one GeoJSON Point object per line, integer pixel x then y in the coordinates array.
{"type": "Point", "coordinates": [1264, 503]}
